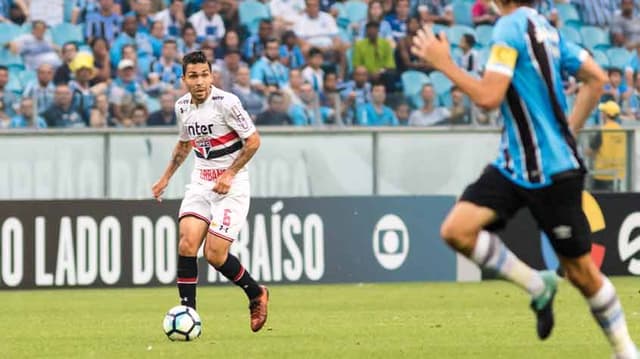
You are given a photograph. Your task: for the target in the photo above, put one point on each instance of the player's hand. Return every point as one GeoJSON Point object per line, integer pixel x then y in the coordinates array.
{"type": "Point", "coordinates": [431, 49]}
{"type": "Point", "coordinates": [223, 183]}
{"type": "Point", "coordinates": [159, 187]}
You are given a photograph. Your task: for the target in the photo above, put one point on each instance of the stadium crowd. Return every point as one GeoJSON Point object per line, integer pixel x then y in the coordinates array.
{"type": "Point", "coordinates": [99, 63]}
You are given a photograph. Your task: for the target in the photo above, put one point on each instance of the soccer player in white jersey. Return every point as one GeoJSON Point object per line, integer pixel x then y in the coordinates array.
{"type": "Point", "coordinates": [214, 125]}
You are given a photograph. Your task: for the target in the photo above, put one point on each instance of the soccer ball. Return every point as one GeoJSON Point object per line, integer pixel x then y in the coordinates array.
{"type": "Point", "coordinates": [182, 323]}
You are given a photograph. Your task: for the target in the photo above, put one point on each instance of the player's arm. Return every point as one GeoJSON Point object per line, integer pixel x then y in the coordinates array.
{"type": "Point", "coordinates": [180, 153]}
{"type": "Point", "coordinates": [593, 80]}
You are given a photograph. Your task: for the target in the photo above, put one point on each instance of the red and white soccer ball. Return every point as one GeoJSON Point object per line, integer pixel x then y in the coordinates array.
{"type": "Point", "coordinates": [182, 323]}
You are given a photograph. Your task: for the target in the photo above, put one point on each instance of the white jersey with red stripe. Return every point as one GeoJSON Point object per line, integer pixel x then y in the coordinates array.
{"type": "Point", "coordinates": [216, 129]}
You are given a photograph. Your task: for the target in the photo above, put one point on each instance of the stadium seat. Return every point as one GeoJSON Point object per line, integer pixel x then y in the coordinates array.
{"type": "Point", "coordinates": [594, 38]}
{"type": "Point", "coordinates": [618, 57]}
{"type": "Point", "coordinates": [68, 10]}
{"type": "Point", "coordinates": [8, 32]}
{"type": "Point", "coordinates": [66, 32]}
{"type": "Point", "coordinates": [251, 12]}
{"type": "Point", "coordinates": [601, 58]}
{"type": "Point", "coordinates": [412, 82]}
{"type": "Point", "coordinates": [441, 83]}
{"type": "Point", "coordinates": [355, 10]}
{"type": "Point", "coordinates": [455, 32]}
{"type": "Point", "coordinates": [14, 85]}
{"type": "Point", "coordinates": [438, 28]}
{"type": "Point", "coordinates": [26, 76]}
{"type": "Point", "coordinates": [349, 55]}
{"type": "Point", "coordinates": [571, 34]}
{"type": "Point", "coordinates": [9, 59]}
{"type": "Point", "coordinates": [483, 34]}
{"type": "Point", "coordinates": [567, 12]}
{"type": "Point", "coordinates": [462, 13]}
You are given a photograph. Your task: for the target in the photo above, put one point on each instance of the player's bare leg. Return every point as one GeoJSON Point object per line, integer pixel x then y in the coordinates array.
{"type": "Point", "coordinates": [463, 230]}
{"type": "Point", "coordinates": [217, 254]}
{"type": "Point", "coordinates": [603, 301]}
{"type": "Point", "coordinates": [192, 233]}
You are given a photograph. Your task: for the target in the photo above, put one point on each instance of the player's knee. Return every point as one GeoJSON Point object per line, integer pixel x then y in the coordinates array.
{"type": "Point", "coordinates": [187, 246]}
{"type": "Point", "coordinates": [216, 256]}
{"type": "Point", "coordinates": [457, 236]}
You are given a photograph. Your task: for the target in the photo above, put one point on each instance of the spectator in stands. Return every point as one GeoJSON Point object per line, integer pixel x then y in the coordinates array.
{"type": "Point", "coordinates": [51, 12]}
{"type": "Point", "coordinates": [375, 14]}
{"type": "Point", "coordinates": [625, 28]}
{"type": "Point", "coordinates": [255, 44]}
{"type": "Point", "coordinates": [129, 52]}
{"type": "Point", "coordinates": [293, 89]}
{"type": "Point", "coordinates": [139, 116]}
{"type": "Point", "coordinates": [125, 91]}
{"type": "Point", "coordinates": [483, 117]}
{"type": "Point", "coordinates": [632, 106]}
{"type": "Point", "coordinates": [484, 12]}
{"type": "Point", "coordinates": [548, 9]}
{"type": "Point", "coordinates": [83, 8]}
{"type": "Point", "coordinates": [276, 113]}
{"type": "Point", "coordinates": [398, 20]}
{"type": "Point", "coordinates": [41, 89]}
{"type": "Point", "coordinates": [105, 22]}
{"type": "Point", "coordinates": [376, 113]}
{"type": "Point", "coordinates": [230, 42]}
{"type": "Point", "coordinates": [469, 59]}
{"type": "Point", "coordinates": [313, 73]}
{"type": "Point", "coordinates": [596, 12]}
{"type": "Point", "coordinates": [285, 13]}
{"type": "Point", "coordinates": [290, 53]}
{"type": "Point", "coordinates": [188, 41]}
{"type": "Point", "coordinates": [252, 100]}
{"type": "Point", "coordinates": [5, 120]}
{"type": "Point", "coordinates": [429, 114]}
{"type": "Point", "coordinates": [62, 113]}
{"type": "Point", "coordinates": [403, 111]}
{"type": "Point", "coordinates": [63, 73]}
{"type": "Point", "coordinates": [207, 22]}
{"type": "Point", "coordinates": [268, 74]}
{"type": "Point", "coordinates": [460, 109]}
{"type": "Point", "coordinates": [406, 59]}
{"type": "Point", "coordinates": [167, 66]}
{"type": "Point", "coordinates": [330, 98]}
{"type": "Point", "coordinates": [229, 68]}
{"type": "Point", "coordinates": [229, 13]}
{"type": "Point", "coordinates": [35, 48]}
{"type": "Point", "coordinates": [309, 112]}
{"type": "Point", "coordinates": [173, 18]}
{"type": "Point", "coordinates": [317, 28]}
{"type": "Point", "coordinates": [435, 11]}
{"type": "Point", "coordinates": [82, 88]}
{"type": "Point", "coordinates": [356, 92]}
{"type": "Point", "coordinates": [216, 76]}
{"type": "Point", "coordinates": [166, 115]}
{"type": "Point", "coordinates": [157, 38]}
{"type": "Point", "coordinates": [26, 117]}
{"type": "Point", "coordinates": [6, 6]}
{"type": "Point", "coordinates": [615, 87]}
{"type": "Point", "coordinates": [7, 98]}
{"type": "Point", "coordinates": [376, 55]}
{"type": "Point", "coordinates": [100, 115]}
{"type": "Point", "coordinates": [141, 11]}
{"type": "Point", "coordinates": [129, 36]}
{"type": "Point", "coordinates": [100, 51]}
{"type": "Point", "coordinates": [609, 150]}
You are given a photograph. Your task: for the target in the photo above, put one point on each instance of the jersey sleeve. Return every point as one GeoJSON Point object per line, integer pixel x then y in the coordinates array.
{"type": "Point", "coordinates": [238, 118]}
{"type": "Point", "coordinates": [506, 43]}
{"type": "Point", "coordinates": [571, 56]}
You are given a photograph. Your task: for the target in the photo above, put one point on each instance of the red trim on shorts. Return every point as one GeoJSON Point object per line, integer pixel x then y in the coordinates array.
{"type": "Point", "coordinates": [228, 239]}
{"type": "Point", "coordinates": [194, 214]}
{"type": "Point", "coordinates": [239, 275]}
{"type": "Point", "coordinates": [193, 280]}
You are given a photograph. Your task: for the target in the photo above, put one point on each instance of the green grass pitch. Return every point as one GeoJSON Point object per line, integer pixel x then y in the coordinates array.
{"type": "Point", "coordinates": [415, 320]}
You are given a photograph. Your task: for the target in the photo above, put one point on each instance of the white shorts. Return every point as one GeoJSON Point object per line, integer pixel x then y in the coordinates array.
{"type": "Point", "coordinates": [225, 214]}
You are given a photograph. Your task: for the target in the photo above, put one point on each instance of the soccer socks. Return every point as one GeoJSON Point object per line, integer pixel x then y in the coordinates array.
{"type": "Point", "coordinates": [187, 280]}
{"type": "Point", "coordinates": [235, 272]}
{"type": "Point", "coordinates": [607, 310]}
{"type": "Point", "coordinates": [491, 253]}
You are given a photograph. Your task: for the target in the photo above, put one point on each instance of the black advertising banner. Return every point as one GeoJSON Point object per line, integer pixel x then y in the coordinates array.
{"type": "Point", "coordinates": [134, 243]}
{"type": "Point", "coordinates": [614, 219]}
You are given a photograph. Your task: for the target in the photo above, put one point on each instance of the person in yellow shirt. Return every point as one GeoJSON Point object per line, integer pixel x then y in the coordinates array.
{"type": "Point", "coordinates": [608, 149]}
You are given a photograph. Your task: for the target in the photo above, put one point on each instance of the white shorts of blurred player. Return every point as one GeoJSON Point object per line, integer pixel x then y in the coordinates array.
{"type": "Point", "coordinates": [225, 214]}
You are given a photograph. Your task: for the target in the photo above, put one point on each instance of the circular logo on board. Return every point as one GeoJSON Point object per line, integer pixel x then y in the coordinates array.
{"type": "Point", "coordinates": [390, 242]}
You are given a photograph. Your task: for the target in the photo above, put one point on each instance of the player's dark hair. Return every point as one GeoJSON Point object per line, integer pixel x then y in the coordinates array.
{"type": "Point", "coordinates": [266, 21]}
{"type": "Point", "coordinates": [613, 70]}
{"type": "Point", "coordinates": [314, 51]}
{"type": "Point", "coordinates": [372, 24]}
{"type": "Point", "coordinates": [287, 35]}
{"type": "Point", "coordinates": [470, 39]}
{"type": "Point", "coordinates": [195, 57]}
{"type": "Point", "coordinates": [377, 84]}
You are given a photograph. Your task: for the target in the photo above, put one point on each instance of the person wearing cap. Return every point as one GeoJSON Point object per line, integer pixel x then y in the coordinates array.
{"type": "Point", "coordinates": [84, 71]}
{"type": "Point", "coordinates": [125, 92]}
{"type": "Point", "coordinates": [608, 148]}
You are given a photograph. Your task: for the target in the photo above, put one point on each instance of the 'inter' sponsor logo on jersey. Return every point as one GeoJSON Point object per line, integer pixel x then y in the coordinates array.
{"type": "Point", "coordinates": [196, 129]}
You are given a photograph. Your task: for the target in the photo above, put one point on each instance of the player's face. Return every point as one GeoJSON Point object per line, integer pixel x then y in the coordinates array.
{"type": "Point", "coordinates": [198, 80]}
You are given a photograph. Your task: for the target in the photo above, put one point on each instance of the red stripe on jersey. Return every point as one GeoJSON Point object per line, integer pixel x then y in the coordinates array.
{"type": "Point", "coordinates": [223, 139]}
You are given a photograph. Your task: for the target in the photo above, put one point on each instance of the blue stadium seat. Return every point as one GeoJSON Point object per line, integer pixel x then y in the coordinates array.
{"type": "Point", "coordinates": [68, 10]}
{"type": "Point", "coordinates": [483, 34]}
{"type": "Point", "coordinates": [441, 83]}
{"type": "Point", "coordinates": [571, 34]}
{"type": "Point", "coordinates": [349, 60]}
{"type": "Point", "coordinates": [438, 28]}
{"type": "Point", "coordinates": [251, 12]}
{"type": "Point", "coordinates": [9, 32]}
{"type": "Point", "coordinates": [567, 12]}
{"type": "Point", "coordinates": [10, 59]}
{"type": "Point", "coordinates": [619, 57]}
{"type": "Point", "coordinates": [455, 32]}
{"type": "Point", "coordinates": [601, 58]}
{"type": "Point", "coordinates": [594, 38]}
{"type": "Point", "coordinates": [412, 82]}
{"type": "Point", "coordinates": [26, 76]}
{"type": "Point", "coordinates": [462, 13]}
{"type": "Point", "coordinates": [14, 85]}
{"type": "Point", "coordinates": [66, 32]}
{"type": "Point", "coordinates": [355, 10]}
